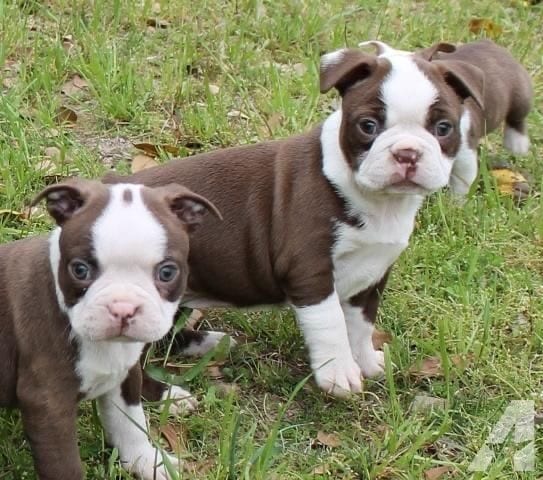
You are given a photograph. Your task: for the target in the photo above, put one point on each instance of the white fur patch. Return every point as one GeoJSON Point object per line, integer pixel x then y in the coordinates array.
{"type": "Point", "coordinates": [326, 338]}
{"type": "Point", "coordinates": [516, 142]}
{"type": "Point", "coordinates": [126, 429]}
{"type": "Point", "coordinates": [465, 167]}
{"type": "Point", "coordinates": [102, 366]}
{"type": "Point", "coordinates": [332, 58]}
{"type": "Point", "coordinates": [370, 361]}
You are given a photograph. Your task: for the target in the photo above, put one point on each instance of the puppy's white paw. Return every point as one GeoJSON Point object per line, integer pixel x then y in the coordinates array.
{"type": "Point", "coordinates": [339, 377]}
{"type": "Point", "coordinates": [178, 401]}
{"type": "Point", "coordinates": [148, 464]}
{"type": "Point", "coordinates": [371, 362]}
{"type": "Point", "coordinates": [516, 142]}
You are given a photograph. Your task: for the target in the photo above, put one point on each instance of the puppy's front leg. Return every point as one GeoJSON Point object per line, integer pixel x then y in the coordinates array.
{"type": "Point", "coordinates": [360, 315]}
{"type": "Point", "coordinates": [50, 422]}
{"type": "Point", "coordinates": [325, 332]}
{"type": "Point", "coordinates": [122, 416]}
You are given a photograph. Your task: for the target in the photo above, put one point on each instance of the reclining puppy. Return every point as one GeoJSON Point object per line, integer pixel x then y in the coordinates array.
{"type": "Point", "coordinates": [505, 97]}
{"type": "Point", "coordinates": [77, 307]}
{"type": "Point", "coordinates": [316, 221]}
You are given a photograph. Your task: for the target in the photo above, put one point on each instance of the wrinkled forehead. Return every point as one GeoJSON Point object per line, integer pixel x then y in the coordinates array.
{"type": "Point", "coordinates": [127, 232]}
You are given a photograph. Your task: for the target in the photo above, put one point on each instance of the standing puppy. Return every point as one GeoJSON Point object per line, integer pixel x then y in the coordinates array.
{"type": "Point", "coordinates": [316, 221]}
{"type": "Point", "coordinates": [77, 307]}
{"type": "Point", "coordinates": [505, 96]}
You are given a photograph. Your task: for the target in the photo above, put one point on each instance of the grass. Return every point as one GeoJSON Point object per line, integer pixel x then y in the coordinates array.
{"type": "Point", "coordinates": [226, 73]}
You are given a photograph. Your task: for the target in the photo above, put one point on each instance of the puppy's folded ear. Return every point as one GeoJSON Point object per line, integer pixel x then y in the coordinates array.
{"type": "Point", "coordinates": [64, 199]}
{"type": "Point", "coordinates": [342, 68]}
{"type": "Point", "coordinates": [428, 53]}
{"type": "Point", "coordinates": [188, 206]}
{"type": "Point", "coordinates": [465, 79]}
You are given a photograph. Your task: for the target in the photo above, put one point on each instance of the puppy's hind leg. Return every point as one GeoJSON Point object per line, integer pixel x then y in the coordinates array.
{"type": "Point", "coordinates": [515, 136]}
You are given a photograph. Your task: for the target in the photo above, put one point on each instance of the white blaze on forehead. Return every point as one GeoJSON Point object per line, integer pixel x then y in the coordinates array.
{"type": "Point", "coordinates": [127, 232]}
{"type": "Point", "coordinates": [407, 92]}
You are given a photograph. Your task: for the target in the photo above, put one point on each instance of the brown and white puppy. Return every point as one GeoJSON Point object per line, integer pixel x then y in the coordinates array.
{"type": "Point", "coordinates": [316, 221]}
{"type": "Point", "coordinates": [78, 306]}
{"type": "Point", "coordinates": [503, 94]}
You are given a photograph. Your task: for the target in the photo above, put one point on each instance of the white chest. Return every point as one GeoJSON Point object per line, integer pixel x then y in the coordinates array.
{"type": "Point", "coordinates": [362, 256]}
{"type": "Point", "coordinates": [104, 365]}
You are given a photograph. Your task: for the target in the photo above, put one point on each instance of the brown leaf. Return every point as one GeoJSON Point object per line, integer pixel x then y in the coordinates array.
{"type": "Point", "coordinates": [214, 372]}
{"type": "Point", "coordinates": [323, 469]}
{"type": "Point", "coordinates": [511, 183]}
{"type": "Point", "coordinates": [379, 338]}
{"type": "Point", "coordinates": [158, 23]}
{"type": "Point", "coordinates": [66, 115]}
{"type": "Point", "coordinates": [429, 367]}
{"type": "Point", "coordinates": [425, 404]}
{"type": "Point", "coordinates": [153, 150]}
{"type": "Point", "coordinates": [199, 468]}
{"type": "Point", "coordinates": [194, 317]}
{"type": "Point", "coordinates": [141, 162]}
{"type": "Point", "coordinates": [174, 437]}
{"type": "Point", "coordinates": [437, 472]}
{"type": "Point", "coordinates": [74, 86]}
{"type": "Point", "coordinates": [485, 25]}
{"type": "Point", "coordinates": [46, 167]}
{"type": "Point", "coordinates": [275, 120]}
{"type": "Point", "coordinates": [330, 440]}
{"type": "Point", "coordinates": [225, 389]}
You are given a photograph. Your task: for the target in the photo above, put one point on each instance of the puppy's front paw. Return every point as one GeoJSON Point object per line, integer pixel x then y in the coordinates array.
{"type": "Point", "coordinates": [371, 362]}
{"type": "Point", "coordinates": [178, 401]}
{"type": "Point", "coordinates": [148, 465]}
{"type": "Point", "coordinates": [339, 377]}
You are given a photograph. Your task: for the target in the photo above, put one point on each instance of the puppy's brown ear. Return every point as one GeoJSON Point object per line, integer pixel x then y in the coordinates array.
{"type": "Point", "coordinates": [64, 199]}
{"type": "Point", "coordinates": [428, 53]}
{"type": "Point", "coordinates": [189, 207]}
{"type": "Point", "coordinates": [342, 68]}
{"type": "Point", "coordinates": [465, 79]}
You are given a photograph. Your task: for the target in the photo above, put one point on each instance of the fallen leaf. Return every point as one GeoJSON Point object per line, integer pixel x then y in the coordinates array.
{"type": "Point", "coordinates": [199, 468]}
{"type": "Point", "coordinates": [485, 25]}
{"type": "Point", "coordinates": [46, 167]}
{"type": "Point", "coordinates": [213, 89]}
{"type": "Point", "coordinates": [67, 43]}
{"type": "Point", "coordinates": [74, 86]}
{"type": "Point", "coordinates": [158, 23]}
{"type": "Point", "coordinates": [237, 114]}
{"type": "Point", "coordinates": [323, 469]}
{"type": "Point", "coordinates": [194, 318]}
{"type": "Point", "coordinates": [299, 69]}
{"type": "Point", "coordinates": [330, 440]}
{"type": "Point", "coordinates": [52, 152]}
{"type": "Point", "coordinates": [437, 472]}
{"type": "Point", "coordinates": [141, 162]}
{"type": "Point", "coordinates": [511, 183]}
{"type": "Point", "coordinates": [174, 437]}
{"type": "Point", "coordinates": [9, 82]}
{"type": "Point", "coordinates": [429, 367]}
{"type": "Point", "coordinates": [379, 338]}
{"type": "Point", "coordinates": [153, 150]}
{"type": "Point", "coordinates": [225, 389]}
{"type": "Point", "coordinates": [214, 372]}
{"type": "Point", "coordinates": [425, 404]}
{"type": "Point", "coordinates": [66, 115]}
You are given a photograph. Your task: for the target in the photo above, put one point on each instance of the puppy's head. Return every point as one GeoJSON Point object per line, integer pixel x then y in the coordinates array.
{"type": "Point", "coordinates": [401, 115]}
{"type": "Point", "coordinates": [120, 255]}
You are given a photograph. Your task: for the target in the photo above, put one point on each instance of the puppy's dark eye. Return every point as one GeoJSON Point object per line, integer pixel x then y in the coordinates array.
{"type": "Point", "coordinates": [167, 272]}
{"type": "Point", "coordinates": [443, 128]}
{"type": "Point", "coordinates": [368, 126]}
{"type": "Point", "coordinates": [80, 270]}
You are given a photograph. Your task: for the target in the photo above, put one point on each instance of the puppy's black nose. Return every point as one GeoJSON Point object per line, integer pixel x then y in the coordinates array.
{"type": "Point", "coordinates": [406, 155]}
